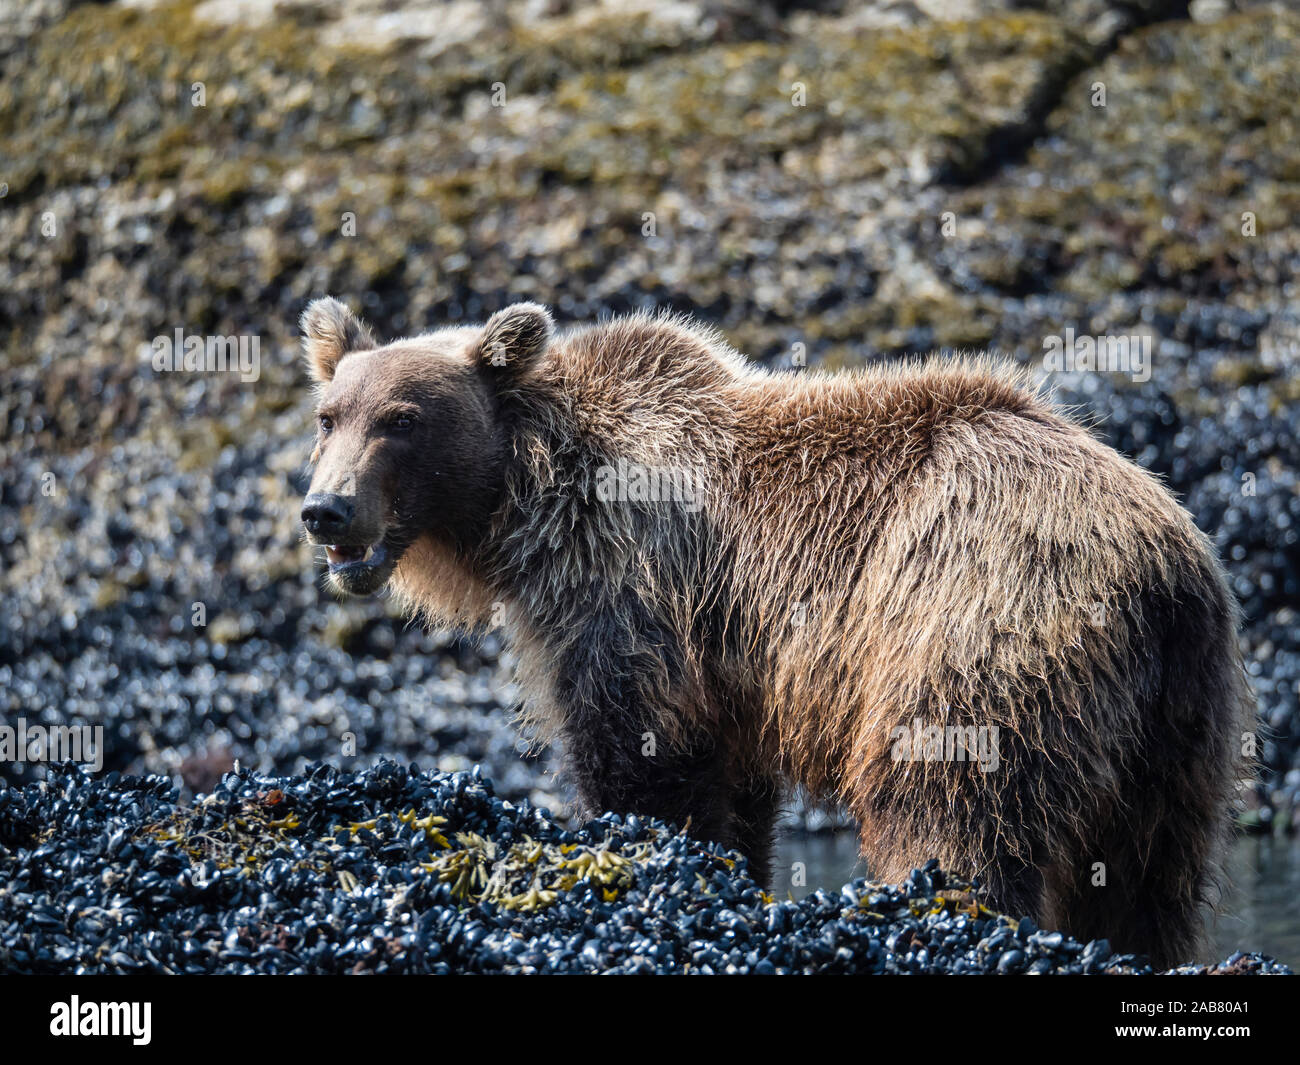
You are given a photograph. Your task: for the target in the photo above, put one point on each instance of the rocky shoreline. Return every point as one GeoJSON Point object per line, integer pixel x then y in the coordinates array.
{"type": "Point", "coordinates": [392, 870]}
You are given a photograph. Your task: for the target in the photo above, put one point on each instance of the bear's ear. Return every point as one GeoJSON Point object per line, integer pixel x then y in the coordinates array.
{"type": "Point", "coordinates": [330, 331]}
{"type": "Point", "coordinates": [515, 336]}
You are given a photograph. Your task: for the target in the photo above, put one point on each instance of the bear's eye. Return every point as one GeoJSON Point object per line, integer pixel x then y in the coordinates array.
{"type": "Point", "coordinates": [326, 424]}
{"type": "Point", "coordinates": [402, 423]}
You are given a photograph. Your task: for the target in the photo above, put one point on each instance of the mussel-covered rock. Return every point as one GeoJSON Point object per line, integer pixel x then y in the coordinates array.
{"type": "Point", "coordinates": [397, 870]}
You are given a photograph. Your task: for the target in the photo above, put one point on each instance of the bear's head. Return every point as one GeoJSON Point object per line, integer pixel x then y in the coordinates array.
{"type": "Point", "coordinates": [409, 440]}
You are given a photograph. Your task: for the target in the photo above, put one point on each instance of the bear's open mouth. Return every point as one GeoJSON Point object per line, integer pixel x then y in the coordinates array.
{"type": "Point", "coordinates": [347, 556]}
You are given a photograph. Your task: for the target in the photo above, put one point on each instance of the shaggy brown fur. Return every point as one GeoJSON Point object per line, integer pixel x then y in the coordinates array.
{"type": "Point", "coordinates": [859, 555]}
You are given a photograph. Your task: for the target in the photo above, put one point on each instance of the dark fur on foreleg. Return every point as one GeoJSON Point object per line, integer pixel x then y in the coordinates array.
{"type": "Point", "coordinates": [756, 804]}
{"type": "Point", "coordinates": [618, 682]}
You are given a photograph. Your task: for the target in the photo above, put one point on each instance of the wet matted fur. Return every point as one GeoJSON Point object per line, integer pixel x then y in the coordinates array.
{"type": "Point", "coordinates": [859, 557]}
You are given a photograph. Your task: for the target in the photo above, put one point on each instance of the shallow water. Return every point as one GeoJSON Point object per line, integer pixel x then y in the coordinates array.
{"type": "Point", "coordinates": [1260, 910]}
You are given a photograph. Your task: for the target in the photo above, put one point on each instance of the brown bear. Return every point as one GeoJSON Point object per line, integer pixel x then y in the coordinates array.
{"type": "Point", "coordinates": [917, 592]}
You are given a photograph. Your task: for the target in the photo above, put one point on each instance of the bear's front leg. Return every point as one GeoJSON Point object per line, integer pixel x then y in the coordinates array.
{"type": "Point", "coordinates": [756, 808]}
{"type": "Point", "coordinates": [635, 735]}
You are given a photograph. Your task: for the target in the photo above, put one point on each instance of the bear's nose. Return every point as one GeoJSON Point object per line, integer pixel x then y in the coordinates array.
{"type": "Point", "coordinates": [326, 514]}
